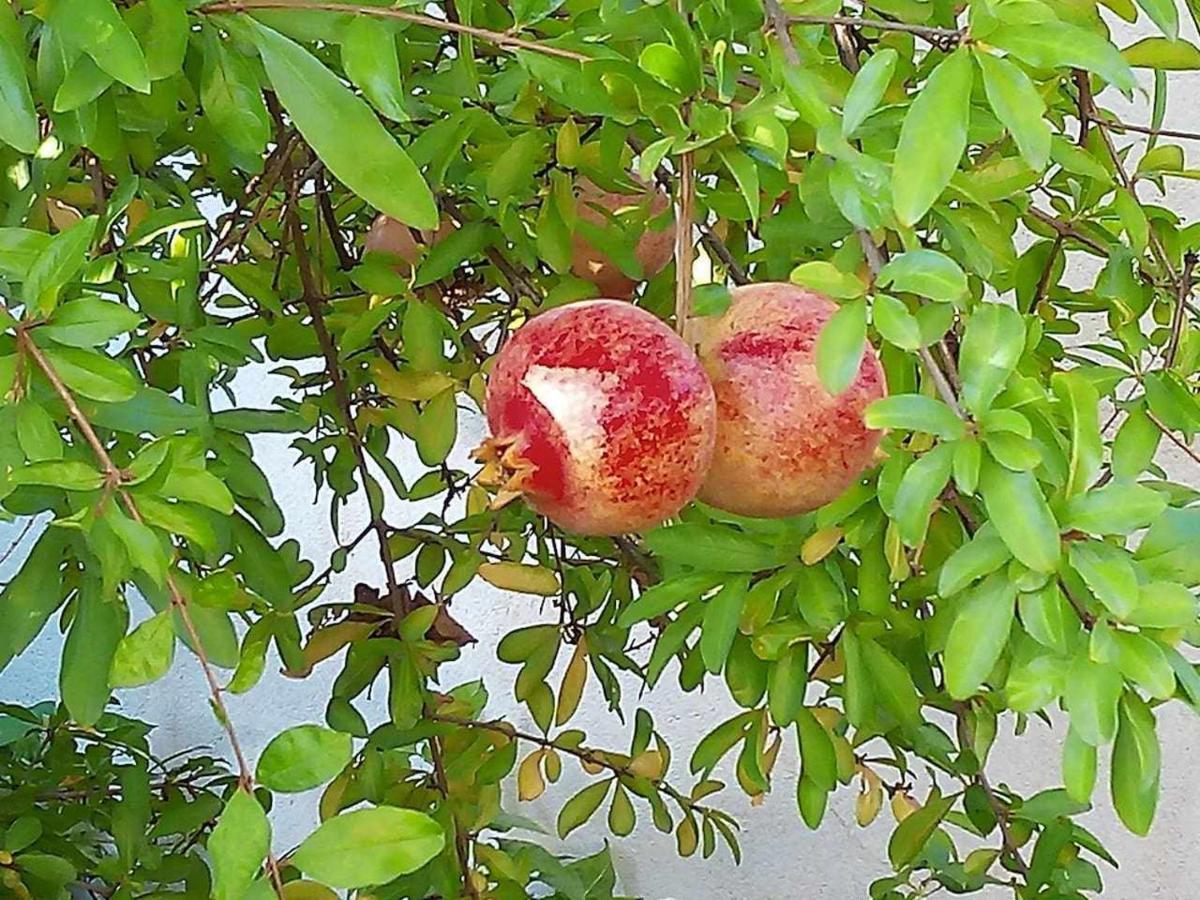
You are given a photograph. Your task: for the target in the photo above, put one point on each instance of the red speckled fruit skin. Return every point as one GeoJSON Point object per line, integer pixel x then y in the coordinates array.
{"type": "Point", "coordinates": [784, 444]}
{"type": "Point", "coordinates": [612, 408]}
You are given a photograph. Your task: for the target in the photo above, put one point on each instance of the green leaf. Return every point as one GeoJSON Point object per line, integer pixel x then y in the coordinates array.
{"type": "Point", "coordinates": [912, 834]}
{"type": "Point", "coordinates": [1082, 407]}
{"type": "Point", "coordinates": [96, 28]}
{"type": "Point", "coordinates": [1018, 106]}
{"type": "Point", "coordinates": [20, 247]}
{"type": "Point", "coordinates": [1136, 765]}
{"type": "Point", "coordinates": [666, 64]}
{"type": "Point", "coordinates": [1047, 616]}
{"type": "Point", "coordinates": [93, 375]}
{"type": "Point", "coordinates": [932, 138]}
{"type": "Point", "coordinates": [33, 594]}
{"type": "Point", "coordinates": [1135, 444]}
{"type": "Point", "coordinates": [926, 273]}
{"type": "Point", "coordinates": [826, 278]}
{"type": "Point", "coordinates": [915, 412]}
{"type": "Point", "coordinates": [983, 554]}
{"type": "Point", "coordinates": [437, 428]}
{"type": "Point", "coordinates": [238, 845]}
{"type": "Point", "coordinates": [745, 174]}
{"type": "Point", "coordinates": [665, 596]}
{"type": "Point", "coordinates": [859, 694]}
{"type": "Point", "coordinates": [88, 652]}
{"type": "Point", "coordinates": [344, 132]}
{"type": "Point", "coordinates": [921, 485]}
{"type": "Point", "coordinates": [89, 322]}
{"type": "Point", "coordinates": [145, 654]}
{"type": "Point", "coordinates": [714, 745]}
{"type": "Point", "coordinates": [1109, 573]}
{"type": "Point", "coordinates": [721, 616]}
{"type": "Point", "coordinates": [1159, 53]}
{"type": "Point", "coordinates": [1164, 14]}
{"type": "Point", "coordinates": [867, 89]}
{"type": "Point", "coordinates": [84, 83]}
{"type": "Point", "coordinates": [370, 59]}
{"type": "Point", "coordinates": [1143, 662]}
{"type": "Point", "coordinates": [818, 757]}
{"type": "Point", "coordinates": [232, 99]}
{"type": "Point", "coordinates": [369, 846]}
{"type": "Point", "coordinates": [142, 544]}
{"type": "Point", "coordinates": [69, 474]}
{"type": "Point", "coordinates": [579, 809]}
{"type": "Point", "coordinates": [1017, 507]}
{"type": "Point", "coordinates": [1163, 604]}
{"type": "Point", "coordinates": [1054, 45]}
{"type": "Point", "coordinates": [787, 683]}
{"type": "Point", "coordinates": [1078, 768]}
{"type": "Point", "coordinates": [302, 758]}
{"type": "Point", "coordinates": [979, 634]}
{"type": "Point", "coordinates": [57, 265]}
{"type": "Point", "coordinates": [1116, 508]}
{"type": "Point", "coordinates": [895, 323]}
{"type": "Point", "coordinates": [161, 28]}
{"type": "Point", "coordinates": [992, 345]}
{"type": "Point", "coordinates": [893, 685]}
{"type": "Point", "coordinates": [840, 346]}
{"type": "Point", "coordinates": [1090, 696]}
{"type": "Point", "coordinates": [1167, 551]}
{"type": "Point", "coordinates": [18, 118]}
{"type": "Point", "coordinates": [713, 548]}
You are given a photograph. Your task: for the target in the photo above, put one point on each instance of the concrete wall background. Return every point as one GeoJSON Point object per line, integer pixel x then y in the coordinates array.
{"type": "Point", "coordinates": [782, 858]}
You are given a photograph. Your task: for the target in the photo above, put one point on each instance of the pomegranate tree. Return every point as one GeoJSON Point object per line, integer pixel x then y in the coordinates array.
{"type": "Point", "coordinates": [600, 416]}
{"type": "Point", "coordinates": [784, 444]}
{"type": "Point", "coordinates": [596, 206]}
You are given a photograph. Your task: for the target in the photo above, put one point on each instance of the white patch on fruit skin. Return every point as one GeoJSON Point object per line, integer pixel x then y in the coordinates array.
{"type": "Point", "coordinates": [575, 398]}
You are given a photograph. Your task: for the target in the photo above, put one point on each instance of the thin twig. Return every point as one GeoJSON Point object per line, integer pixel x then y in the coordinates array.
{"type": "Point", "coordinates": [943, 38]}
{"type": "Point", "coordinates": [113, 477]}
{"type": "Point", "coordinates": [1067, 230]}
{"type": "Point", "coordinates": [1178, 319]}
{"type": "Point", "coordinates": [1170, 435]}
{"type": "Point", "coordinates": [505, 41]}
{"type": "Point", "coordinates": [29, 523]}
{"type": "Point", "coordinates": [684, 249]}
{"type": "Point", "coordinates": [1144, 129]}
{"type": "Point", "coordinates": [999, 807]}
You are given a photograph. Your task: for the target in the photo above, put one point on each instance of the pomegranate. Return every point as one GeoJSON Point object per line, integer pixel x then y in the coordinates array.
{"type": "Point", "coordinates": [400, 244]}
{"type": "Point", "coordinates": [654, 248]}
{"type": "Point", "coordinates": [600, 416]}
{"type": "Point", "coordinates": [784, 444]}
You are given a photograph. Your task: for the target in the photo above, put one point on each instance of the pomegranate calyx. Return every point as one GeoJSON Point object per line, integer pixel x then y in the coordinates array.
{"type": "Point", "coordinates": [504, 469]}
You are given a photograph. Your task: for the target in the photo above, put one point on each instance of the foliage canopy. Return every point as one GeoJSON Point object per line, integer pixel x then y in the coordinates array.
{"type": "Point", "coordinates": [186, 186]}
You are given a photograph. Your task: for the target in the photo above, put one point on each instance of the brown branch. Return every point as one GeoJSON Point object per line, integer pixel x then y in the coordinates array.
{"type": "Point", "coordinates": [314, 302]}
{"type": "Point", "coordinates": [113, 478]}
{"type": "Point", "coordinates": [999, 808]}
{"type": "Point", "coordinates": [1178, 319]}
{"type": "Point", "coordinates": [1122, 127]}
{"type": "Point", "coordinates": [1170, 435]}
{"type": "Point", "coordinates": [345, 257]}
{"type": "Point", "coordinates": [517, 280]}
{"type": "Point", "coordinates": [1067, 230]}
{"type": "Point", "coordinates": [942, 38]}
{"type": "Point", "coordinates": [505, 41]}
{"type": "Point", "coordinates": [462, 850]}
{"type": "Point", "coordinates": [684, 249]}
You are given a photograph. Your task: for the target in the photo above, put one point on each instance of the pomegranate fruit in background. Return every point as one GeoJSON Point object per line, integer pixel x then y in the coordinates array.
{"type": "Point", "coordinates": [397, 242]}
{"type": "Point", "coordinates": [654, 248]}
{"type": "Point", "coordinates": [784, 444]}
{"type": "Point", "coordinates": [601, 417]}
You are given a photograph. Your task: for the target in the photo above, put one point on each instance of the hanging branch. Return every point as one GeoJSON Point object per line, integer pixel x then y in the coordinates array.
{"type": "Point", "coordinates": [504, 41]}
{"type": "Point", "coordinates": [113, 479]}
{"type": "Point", "coordinates": [684, 249]}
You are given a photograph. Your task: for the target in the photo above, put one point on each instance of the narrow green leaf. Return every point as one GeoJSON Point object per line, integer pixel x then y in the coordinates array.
{"type": "Point", "coordinates": [89, 322]}
{"type": "Point", "coordinates": [979, 634]}
{"type": "Point", "coordinates": [1090, 696]}
{"type": "Point", "coordinates": [818, 757]}
{"type": "Point", "coordinates": [927, 273]}
{"type": "Point", "coordinates": [932, 138]}
{"type": "Point", "coordinates": [145, 654]}
{"type": "Point", "coordinates": [714, 548]}
{"type": "Point", "coordinates": [1053, 45]}
{"type": "Point", "coordinates": [721, 617]}
{"type": "Point", "coordinates": [370, 59]}
{"type": "Point", "coordinates": [840, 346]}
{"type": "Point", "coordinates": [1135, 444]}
{"type": "Point", "coordinates": [665, 596]}
{"type": "Point", "coordinates": [88, 652]}
{"type": "Point", "coordinates": [1143, 662]}
{"type": "Point", "coordinates": [1082, 413]}
{"type": "Point", "coordinates": [238, 845]}
{"type": "Point", "coordinates": [1078, 768]}
{"type": "Point", "coordinates": [344, 132]}
{"type": "Point", "coordinates": [992, 345]}
{"type": "Point", "coordinates": [1047, 616]}
{"type": "Point", "coordinates": [1016, 506]}
{"type": "Point", "coordinates": [1136, 765]}
{"type": "Point", "coordinates": [57, 265]}
{"type": "Point", "coordinates": [983, 554]}
{"type": "Point", "coordinates": [915, 412]}
{"type": "Point", "coordinates": [913, 833]}
{"type": "Point", "coordinates": [1163, 604]}
{"type": "Point", "coordinates": [787, 683]}
{"type": "Point", "coordinates": [1018, 106]}
{"type": "Point", "coordinates": [96, 28]}
{"type": "Point", "coordinates": [18, 118]}
{"type": "Point", "coordinates": [232, 98]}
{"type": "Point", "coordinates": [579, 809]}
{"type": "Point", "coordinates": [867, 89]}
{"type": "Point", "coordinates": [892, 683]}
{"type": "Point", "coordinates": [1162, 54]}
{"type": "Point", "coordinates": [921, 485]}
{"type": "Point", "coordinates": [745, 174]}
{"type": "Point", "coordinates": [826, 278]}
{"type": "Point", "coordinates": [1115, 508]}
{"type": "Point", "coordinates": [1108, 572]}
{"type": "Point", "coordinates": [1164, 14]}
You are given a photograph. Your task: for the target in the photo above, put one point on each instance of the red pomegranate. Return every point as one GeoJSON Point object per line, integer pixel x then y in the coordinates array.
{"type": "Point", "coordinates": [398, 243]}
{"type": "Point", "coordinates": [654, 248]}
{"type": "Point", "coordinates": [600, 416]}
{"type": "Point", "coordinates": [784, 444]}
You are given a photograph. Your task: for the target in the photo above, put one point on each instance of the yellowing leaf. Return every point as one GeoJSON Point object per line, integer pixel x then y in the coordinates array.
{"type": "Point", "coordinates": [523, 579]}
